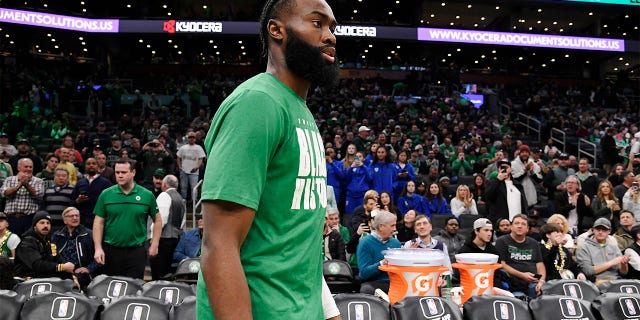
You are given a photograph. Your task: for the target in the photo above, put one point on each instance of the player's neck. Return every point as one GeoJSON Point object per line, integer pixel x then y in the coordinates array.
{"type": "Point", "coordinates": [279, 70]}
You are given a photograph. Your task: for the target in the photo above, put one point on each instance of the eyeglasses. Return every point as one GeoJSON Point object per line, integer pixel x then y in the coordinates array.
{"type": "Point", "coordinates": [72, 216]}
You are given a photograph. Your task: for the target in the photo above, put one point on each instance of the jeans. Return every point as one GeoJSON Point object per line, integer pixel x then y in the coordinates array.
{"type": "Point", "coordinates": [188, 181]}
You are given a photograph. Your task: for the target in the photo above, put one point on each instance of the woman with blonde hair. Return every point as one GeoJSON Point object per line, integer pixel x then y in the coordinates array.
{"type": "Point", "coordinates": [463, 202]}
{"type": "Point", "coordinates": [631, 199]}
{"type": "Point", "coordinates": [562, 221]}
{"type": "Point", "coordinates": [605, 204]}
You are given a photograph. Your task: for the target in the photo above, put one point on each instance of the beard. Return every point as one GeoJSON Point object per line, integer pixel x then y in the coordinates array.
{"type": "Point", "coordinates": [306, 62]}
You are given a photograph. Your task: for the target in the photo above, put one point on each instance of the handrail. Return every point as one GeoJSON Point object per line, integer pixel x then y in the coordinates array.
{"type": "Point", "coordinates": [593, 155]}
{"type": "Point", "coordinates": [196, 203]}
{"type": "Point", "coordinates": [532, 124]}
{"type": "Point", "coordinates": [562, 141]}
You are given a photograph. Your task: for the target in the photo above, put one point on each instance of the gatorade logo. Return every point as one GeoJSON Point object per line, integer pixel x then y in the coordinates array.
{"type": "Point", "coordinates": [422, 284]}
{"type": "Point", "coordinates": [482, 280]}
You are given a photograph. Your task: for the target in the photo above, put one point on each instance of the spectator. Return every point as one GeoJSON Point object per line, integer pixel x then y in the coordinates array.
{"type": "Point", "coordinates": [24, 151]}
{"type": "Point", "coordinates": [190, 243]}
{"type": "Point", "coordinates": [480, 240]}
{"type": "Point", "coordinates": [555, 177]}
{"type": "Point", "coordinates": [558, 260]}
{"type": "Point", "coordinates": [357, 180]}
{"type": "Point", "coordinates": [333, 245]}
{"type": "Point", "coordinates": [382, 171]}
{"type": "Point", "coordinates": [113, 153]}
{"type": "Point", "coordinates": [23, 193]}
{"type": "Point", "coordinates": [633, 252]}
{"type": "Point", "coordinates": [405, 227]}
{"type": "Point", "coordinates": [333, 221]}
{"type": "Point", "coordinates": [478, 189]}
{"type": "Point", "coordinates": [47, 174]}
{"type": "Point", "coordinates": [434, 202]}
{"type": "Point", "coordinates": [405, 173]}
{"type": "Point", "coordinates": [362, 214]}
{"type": "Point", "coordinates": [447, 191]}
{"type": "Point", "coordinates": [103, 169]}
{"type": "Point", "coordinates": [370, 253]}
{"type": "Point", "coordinates": [631, 199]}
{"type": "Point", "coordinates": [605, 204]}
{"type": "Point", "coordinates": [86, 192]}
{"type": "Point", "coordinates": [601, 260]}
{"type": "Point", "coordinates": [560, 220]}
{"type": "Point", "coordinates": [189, 157]}
{"type": "Point", "coordinates": [8, 240]}
{"type": "Point", "coordinates": [34, 255]}
{"type": "Point", "coordinates": [119, 227]}
{"type": "Point", "coordinates": [505, 197]}
{"type": "Point", "coordinates": [6, 149]}
{"type": "Point", "coordinates": [432, 176]}
{"type": "Point", "coordinates": [361, 141]}
{"type": "Point", "coordinates": [67, 142]}
{"type": "Point", "coordinates": [620, 190]}
{"type": "Point", "coordinates": [504, 227]}
{"type": "Point", "coordinates": [574, 205]}
{"type": "Point", "coordinates": [335, 172]}
{"type": "Point", "coordinates": [154, 156]}
{"type": "Point", "coordinates": [173, 214]}
{"type": "Point", "coordinates": [625, 235]}
{"type": "Point", "coordinates": [409, 200]}
{"type": "Point", "coordinates": [451, 238]}
{"type": "Point", "coordinates": [463, 202]}
{"type": "Point", "coordinates": [58, 197]}
{"type": "Point", "coordinates": [588, 182]}
{"type": "Point", "coordinates": [461, 166]}
{"type": "Point", "coordinates": [423, 227]}
{"type": "Point", "coordinates": [609, 150]}
{"type": "Point", "coordinates": [528, 173]}
{"type": "Point", "coordinates": [65, 154]}
{"type": "Point", "coordinates": [493, 166]}
{"type": "Point", "coordinates": [521, 259]}
{"type": "Point", "coordinates": [74, 243]}
{"type": "Point", "coordinates": [616, 176]}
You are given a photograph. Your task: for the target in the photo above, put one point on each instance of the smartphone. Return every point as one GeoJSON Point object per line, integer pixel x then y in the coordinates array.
{"type": "Point", "coordinates": [503, 169]}
{"type": "Point", "coordinates": [635, 185]}
{"type": "Point", "coordinates": [537, 276]}
{"type": "Point", "coordinates": [356, 159]}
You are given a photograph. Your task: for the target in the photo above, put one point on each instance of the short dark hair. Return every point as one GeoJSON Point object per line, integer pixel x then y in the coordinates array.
{"type": "Point", "coordinates": [125, 161]}
{"type": "Point", "coordinates": [549, 228]}
{"type": "Point", "coordinates": [522, 216]}
{"type": "Point", "coordinates": [51, 155]}
{"type": "Point", "coordinates": [272, 9]}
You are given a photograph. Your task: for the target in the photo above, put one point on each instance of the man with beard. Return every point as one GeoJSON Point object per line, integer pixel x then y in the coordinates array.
{"type": "Point", "coordinates": [588, 181]}
{"type": "Point", "coordinates": [526, 171]}
{"type": "Point", "coordinates": [265, 202]}
{"type": "Point", "coordinates": [86, 192]}
{"type": "Point", "coordinates": [35, 255]}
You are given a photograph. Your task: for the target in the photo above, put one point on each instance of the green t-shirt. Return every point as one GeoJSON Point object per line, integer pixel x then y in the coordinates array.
{"type": "Point", "coordinates": [265, 153]}
{"type": "Point", "coordinates": [125, 215]}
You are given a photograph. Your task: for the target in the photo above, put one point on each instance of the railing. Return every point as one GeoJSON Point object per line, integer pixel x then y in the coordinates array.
{"type": "Point", "coordinates": [531, 123]}
{"type": "Point", "coordinates": [560, 137]}
{"type": "Point", "coordinates": [197, 203]}
{"type": "Point", "coordinates": [582, 143]}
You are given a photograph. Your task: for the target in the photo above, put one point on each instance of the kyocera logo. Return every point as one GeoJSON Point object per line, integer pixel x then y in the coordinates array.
{"type": "Point", "coordinates": [356, 31]}
{"type": "Point", "coordinates": [173, 26]}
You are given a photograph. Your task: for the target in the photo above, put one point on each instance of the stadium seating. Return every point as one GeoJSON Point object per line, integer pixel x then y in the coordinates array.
{"type": "Point", "coordinates": [339, 276]}
{"type": "Point", "coordinates": [560, 307]}
{"type": "Point", "coordinates": [621, 285]}
{"type": "Point", "coordinates": [467, 220]}
{"type": "Point", "coordinates": [418, 308]}
{"type": "Point", "coordinates": [185, 310]}
{"type": "Point", "coordinates": [11, 303]}
{"type": "Point", "coordinates": [615, 306]}
{"type": "Point", "coordinates": [60, 306]}
{"type": "Point", "coordinates": [572, 288]}
{"type": "Point", "coordinates": [187, 271]}
{"type": "Point", "coordinates": [359, 306]}
{"type": "Point", "coordinates": [108, 288]}
{"type": "Point", "coordinates": [136, 308]}
{"type": "Point", "coordinates": [495, 307]}
{"type": "Point", "coordinates": [36, 286]}
{"type": "Point", "coordinates": [167, 291]}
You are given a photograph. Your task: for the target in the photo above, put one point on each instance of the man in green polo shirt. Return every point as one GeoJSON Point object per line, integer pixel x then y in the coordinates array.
{"type": "Point", "coordinates": [120, 225]}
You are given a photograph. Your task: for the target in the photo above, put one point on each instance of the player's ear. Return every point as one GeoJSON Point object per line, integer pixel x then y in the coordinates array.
{"type": "Point", "coordinates": [275, 29]}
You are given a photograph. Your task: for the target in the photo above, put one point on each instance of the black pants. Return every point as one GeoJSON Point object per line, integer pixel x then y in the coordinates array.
{"type": "Point", "coordinates": [124, 261]}
{"type": "Point", "coordinates": [161, 264]}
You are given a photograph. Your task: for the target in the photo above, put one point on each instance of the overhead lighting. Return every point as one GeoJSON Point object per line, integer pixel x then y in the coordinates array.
{"type": "Point", "coordinates": [210, 41]}
{"type": "Point", "coordinates": [433, 15]}
{"type": "Point", "coordinates": [539, 10]}
{"type": "Point", "coordinates": [566, 55]}
{"type": "Point", "coordinates": [239, 41]}
{"type": "Point", "coordinates": [128, 6]}
{"type": "Point", "coordinates": [458, 49]}
{"type": "Point", "coordinates": [555, 22]}
{"type": "Point", "coordinates": [141, 41]}
{"type": "Point", "coordinates": [539, 22]}
{"type": "Point", "coordinates": [570, 23]}
{"type": "Point", "coordinates": [204, 7]}
{"type": "Point", "coordinates": [457, 17]}
{"type": "Point", "coordinates": [476, 61]}
{"type": "Point", "coordinates": [443, 4]}
{"type": "Point", "coordinates": [170, 41]}
{"type": "Point", "coordinates": [148, 46]}
{"type": "Point", "coordinates": [497, 7]}
{"type": "Point", "coordinates": [520, 58]}
{"type": "Point", "coordinates": [590, 13]}
{"type": "Point", "coordinates": [80, 38]}
{"type": "Point", "coordinates": [469, 6]}
{"type": "Point", "coordinates": [397, 47]}
{"type": "Point", "coordinates": [544, 65]}
{"type": "Point", "coordinates": [482, 18]}
{"type": "Point", "coordinates": [355, 11]}
{"type": "Point", "coordinates": [390, 13]}
{"type": "Point", "coordinates": [621, 58]}
{"type": "Point", "coordinates": [553, 60]}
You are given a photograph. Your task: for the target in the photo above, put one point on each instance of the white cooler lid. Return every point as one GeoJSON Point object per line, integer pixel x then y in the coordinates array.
{"type": "Point", "coordinates": [414, 257]}
{"type": "Point", "coordinates": [477, 258]}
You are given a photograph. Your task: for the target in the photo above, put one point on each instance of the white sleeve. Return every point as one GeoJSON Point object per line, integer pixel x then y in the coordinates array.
{"type": "Point", "coordinates": [474, 207]}
{"type": "Point", "coordinates": [13, 241]}
{"type": "Point", "coordinates": [634, 260]}
{"type": "Point", "coordinates": [329, 306]}
{"type": "Point", "coordinates": [457, 208]}
{"type": "Point", "coordinates": [164, 206]}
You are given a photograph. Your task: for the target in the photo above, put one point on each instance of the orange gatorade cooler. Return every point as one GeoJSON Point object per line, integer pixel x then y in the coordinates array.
{"type": "Point", "coordinates": [413, 272]}
{"type": "Point", "coordinates": [476, 273]}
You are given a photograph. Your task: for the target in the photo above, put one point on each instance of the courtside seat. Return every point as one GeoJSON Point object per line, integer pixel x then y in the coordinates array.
{"type": "Point", "coordinates": [187, 271]}
{"type": "Point", "coordinates": [36, 286]}
{"type": "Point", "coordinates": [106, 288]}
{"type": "Point", "coordinates": [60, 306]}
{"type": "Point", "coordinates": [185, 310]}
{"type": "Point", "coordinates": [427, 308]}
{"type": "Point", "coordinates": [487, 307]}
{"type": "Point", "coordinates": [572, 288]}
{"type": "Point", "coordinates": [621, 285]}
{"type": "Point", "coordinates": [339, 276]}
{"type": "Point", "coordinates": [360, 306]}
{"type": "Point", "coordinates": [560, 307]}
{"type": "Point", "coordinates": [11, 303]}
{"type": "Point", "coordinates": [615, 306]}
{"type": "Point", "coordinates": [136, 308]}
{"type": "Point", "coordinates": [167, 291]}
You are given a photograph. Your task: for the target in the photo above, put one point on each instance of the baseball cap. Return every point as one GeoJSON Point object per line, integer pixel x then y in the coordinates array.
{"type": "Point", "coordinates": [482, 222]}
{"type": "Point", "coordinates": [164, 127]}
{"type": "Point", "coordinates": [563, 156]}
{"type": "Point", "coordinates": [25, 141]}
{"type": "Point", "coordinates": [4, 135]}
{"type": "Point", "coordinates": [503, 161]}
{"type": "Point", "coordinates": [3, 216]}
{"type": "Point", "coordinates": [115, 137]}
{"type": "Point", "coordinates": [443, 178]}
{"type": "Point", "coordinates": [41, 215]}
{"type": "Point", "coordinates": [159, 173]}
{"type": "Point", "coordinates": [363, 128]}
{"type": "Point", "coordinates": [602, 223]}
{"type": "Point", "coordinates": [191, 134]}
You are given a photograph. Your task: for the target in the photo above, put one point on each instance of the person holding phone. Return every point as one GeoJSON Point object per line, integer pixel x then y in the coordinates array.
{"type": "Point", "coordinates": [505, 197]}
{"type": "Point", "coordinates": [357, 182]}
{"type": "Point", "coordinates": [631, 199]}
